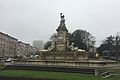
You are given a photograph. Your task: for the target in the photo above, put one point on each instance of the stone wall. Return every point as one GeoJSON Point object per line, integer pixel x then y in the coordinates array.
{"type": "Point", "coordinates": [81, 63]}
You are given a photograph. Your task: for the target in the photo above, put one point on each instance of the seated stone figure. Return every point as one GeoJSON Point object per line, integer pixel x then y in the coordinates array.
{"type": "Point", "coordinates": [72, 48]}
{"type": "Point", "coordinates": [52, 46]}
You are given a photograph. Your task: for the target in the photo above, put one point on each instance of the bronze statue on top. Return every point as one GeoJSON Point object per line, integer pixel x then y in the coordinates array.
{"type": "Point", "coordinates": [61, 15]}
{"type": "Point", "coordinates": [62, 22]}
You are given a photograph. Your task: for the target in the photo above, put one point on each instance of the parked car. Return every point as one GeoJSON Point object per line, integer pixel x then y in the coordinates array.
{"type": "Point", "coordinates": [9, 60]}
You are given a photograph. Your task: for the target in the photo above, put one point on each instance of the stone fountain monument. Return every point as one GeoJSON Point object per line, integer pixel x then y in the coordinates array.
{"type": "Point", "coordinates": [60, 49]}
{"type": "Point", "coordinates": [62, 54]}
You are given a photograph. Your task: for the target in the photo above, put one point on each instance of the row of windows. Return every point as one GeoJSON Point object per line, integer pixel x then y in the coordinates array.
{"type": "Point", "coordinates": [6, 42]}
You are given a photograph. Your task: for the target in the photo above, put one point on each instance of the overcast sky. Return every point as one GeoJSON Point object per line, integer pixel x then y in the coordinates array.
{"type": "Point", "coordinates": [29, 20]}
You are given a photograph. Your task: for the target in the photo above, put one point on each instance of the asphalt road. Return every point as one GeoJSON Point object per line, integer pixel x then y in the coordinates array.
{"type": "Point", "coordinates": [16, 78]}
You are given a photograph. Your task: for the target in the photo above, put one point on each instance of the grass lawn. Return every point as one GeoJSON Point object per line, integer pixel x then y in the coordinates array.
{"type": "Point", "coordinates": [52, 75]}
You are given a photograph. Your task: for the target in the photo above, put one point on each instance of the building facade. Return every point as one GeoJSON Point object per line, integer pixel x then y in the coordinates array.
{"type": "Point", "coordinates": [38, 44]}
{"type": "Point", "coordinates": [28, 49]}
{"type": "Point", "coordinates": [20, 49]}
{"type": "Point", "coordinates": [10, 46]}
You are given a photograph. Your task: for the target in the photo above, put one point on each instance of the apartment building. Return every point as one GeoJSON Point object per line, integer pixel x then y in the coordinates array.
{"type": "Point", "coordinates": [28, 49]}
{"type": "Point", "coordinates": [38, 44]}
{"type": "Point", "coordinates": [20, 48]}
{"type": "Point", "coordinates": [10, 46]}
